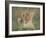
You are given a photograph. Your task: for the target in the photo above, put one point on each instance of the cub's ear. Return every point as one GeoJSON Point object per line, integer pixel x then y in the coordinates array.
{"type": "Point", "coordinates": [32, 14]}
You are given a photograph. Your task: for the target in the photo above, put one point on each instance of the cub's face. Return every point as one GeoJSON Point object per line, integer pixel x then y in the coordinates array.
{"type": "Point", "coordinates": [27, 16]}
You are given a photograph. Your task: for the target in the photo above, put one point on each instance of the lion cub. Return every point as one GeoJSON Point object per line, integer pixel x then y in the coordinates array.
{"type": "Point", "coordinates": [27, 20]}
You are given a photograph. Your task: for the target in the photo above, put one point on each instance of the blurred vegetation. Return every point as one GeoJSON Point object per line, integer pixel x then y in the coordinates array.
{"type": "Point", "coordinates": [19, 27]}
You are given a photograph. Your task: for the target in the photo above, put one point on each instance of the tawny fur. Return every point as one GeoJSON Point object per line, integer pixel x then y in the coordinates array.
{"type": "Point", "coordinates": [26, 19]}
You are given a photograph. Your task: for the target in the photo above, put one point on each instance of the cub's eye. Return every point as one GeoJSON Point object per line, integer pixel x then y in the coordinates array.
{"type": "Point", "coordinates": [23, 15]}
